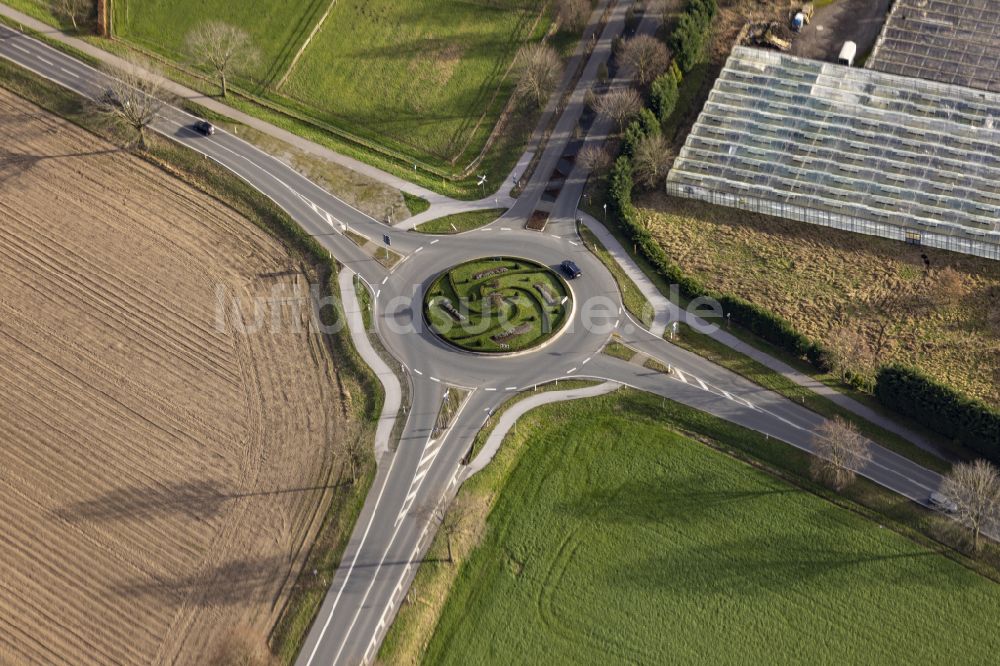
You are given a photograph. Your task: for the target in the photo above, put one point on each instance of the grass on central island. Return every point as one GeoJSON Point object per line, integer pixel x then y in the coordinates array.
{"type": "Point", "coordinates": [615, 539]}
{"type": "Point", "coordinates": [497, 305]}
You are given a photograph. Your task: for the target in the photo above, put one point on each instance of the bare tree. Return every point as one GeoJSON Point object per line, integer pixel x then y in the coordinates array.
{"type": "Point", "coordinates": [134, 97]}
{"type": "Point", "coordinates": [975, 489]}
{"type": "Point", "coordinates": [619, 104]}
{"type": "Point", "coordinates": [453, 521]}
{"type": "Point", "coordinates": [594, 158]}
{"type": "Point", "coordinates": [651, 160]}
{"type": "Point", "coordinates": [573, 14]}
{"type": "Point", "coordinates": [74, 11]}
{"type": "Point", "coordinates": [647, 56]}
{"type": "Point", "coordinates": [537, 68]}
{"type": "Point", "coordinates": [848, 351]}
{"type": "Point", "coordinates": [839, 451]}
{"type": "Point", "coordinates": [948, 287]}
{"type": "Point", "coordinates": [224, 48]}
{"type": "Point", "coordinates": [892, 306]}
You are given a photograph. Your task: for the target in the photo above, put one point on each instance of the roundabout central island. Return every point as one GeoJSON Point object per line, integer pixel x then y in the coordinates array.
{"type": "Point", "coordinates": [497, 305]}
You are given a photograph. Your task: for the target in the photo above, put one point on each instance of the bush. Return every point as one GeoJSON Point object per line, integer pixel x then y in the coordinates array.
{"type": "Point", "coordinates": [645, 125]}
{"type": "Point", "coordinates": [689, 37]}
{"type": "Point", "coordinates": [663, 96]}
{"type": "Point", "coordinates": [633, 135]}
{"type": "Point", "coordinates": [963, 420]}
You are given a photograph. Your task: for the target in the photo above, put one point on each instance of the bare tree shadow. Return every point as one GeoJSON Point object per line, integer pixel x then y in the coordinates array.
{"type": "Point", "coordinates": [14, 165]}
{"type": "Point", "coordinates": [685, 501]}
{"type": "Point", "coordinates": [234, 582]}
{"type": "Point", "coordinates": [777, 563]}
{"type": "Point", "coordinates": [200, 499]}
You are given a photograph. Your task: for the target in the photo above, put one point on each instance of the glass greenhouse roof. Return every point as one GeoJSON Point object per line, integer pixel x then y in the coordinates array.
{"type": "Point", "coordinates": [952, 41]}
{"type": "Point", "coordinates": [850, 142]}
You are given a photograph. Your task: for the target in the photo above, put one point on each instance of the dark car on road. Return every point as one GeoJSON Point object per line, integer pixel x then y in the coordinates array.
{"type": "Point", "coordinates": [571, 270]}
{"type": "Point", "coordinates": [110, 98]}
{"type": "Point", "coordinates": [204, 127]}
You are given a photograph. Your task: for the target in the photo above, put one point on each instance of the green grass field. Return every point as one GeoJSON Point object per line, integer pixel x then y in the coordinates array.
{"type": "Point", "coordinates": [497, 305]}
{"type": "Point", "coordinates": [647, 547]}
{"type": "Point", "coordinates": [424, 77]}
{"type": "Point", "coordinates": [459, 222]}
{"type": "Point", "coordinates": [277, 28]}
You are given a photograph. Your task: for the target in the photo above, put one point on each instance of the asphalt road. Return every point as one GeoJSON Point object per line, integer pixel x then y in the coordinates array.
{"type": "Point", "coordinates": [393, 530]}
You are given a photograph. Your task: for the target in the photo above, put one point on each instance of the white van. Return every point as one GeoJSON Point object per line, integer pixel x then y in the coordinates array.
{"type": "Point", "coordinates": [847, 53]}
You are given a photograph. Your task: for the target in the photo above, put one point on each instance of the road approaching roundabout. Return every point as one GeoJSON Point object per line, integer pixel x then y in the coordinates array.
{"type": "Point", "coordinates": [497, 305]}
{"type": "Point", "coordinates": [555, 332]}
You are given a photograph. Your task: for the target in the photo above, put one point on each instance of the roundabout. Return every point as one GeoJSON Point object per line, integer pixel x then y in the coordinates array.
{"type": "Point", "coordinates": [497, 305]}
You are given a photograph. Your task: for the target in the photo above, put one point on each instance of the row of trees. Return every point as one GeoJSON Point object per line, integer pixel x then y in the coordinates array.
{"type": "Point", "coordinates": [137, 91]}
{"type": "Point", "coordinates": [972, 488]}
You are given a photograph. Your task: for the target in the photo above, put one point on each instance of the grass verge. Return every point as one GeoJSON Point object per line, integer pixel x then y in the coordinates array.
{"type": "Point", "coordinates": [415, 204]}
{"type": "Point", "coordinates": [618, 350]}
{"type": "Point", "coordinates": [459, 222]}
{"type": "Point", "coordinates": [632, 298]}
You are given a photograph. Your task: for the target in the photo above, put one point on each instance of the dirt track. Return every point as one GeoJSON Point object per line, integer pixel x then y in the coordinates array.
{"type": "Point", "coordinates": [159, 476]}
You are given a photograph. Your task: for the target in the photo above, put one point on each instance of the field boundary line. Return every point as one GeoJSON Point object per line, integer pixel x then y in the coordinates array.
{"type": "Point", "coordinates": [298, 54]}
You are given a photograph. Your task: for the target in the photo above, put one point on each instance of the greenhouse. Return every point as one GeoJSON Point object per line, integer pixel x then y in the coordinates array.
{"type": "Point", "coordinates": [951, 41]}
{"type": "Point", "coordinates": [848, 148]}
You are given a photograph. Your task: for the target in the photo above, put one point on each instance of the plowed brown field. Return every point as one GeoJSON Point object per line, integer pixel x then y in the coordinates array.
{"type": "Point", "coordinates": [160, 475]}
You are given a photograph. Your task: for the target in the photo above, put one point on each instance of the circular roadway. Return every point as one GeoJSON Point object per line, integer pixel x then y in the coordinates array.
{"type": "Point", "coordinates": [400, 323]}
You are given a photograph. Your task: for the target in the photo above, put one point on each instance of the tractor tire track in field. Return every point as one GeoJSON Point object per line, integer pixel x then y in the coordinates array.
{"type": "Point", "coordinates": [161, 473]}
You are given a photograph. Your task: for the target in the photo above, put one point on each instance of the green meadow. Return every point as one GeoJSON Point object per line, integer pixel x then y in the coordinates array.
{"type": "Point", "coordinates": [615, 539]}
